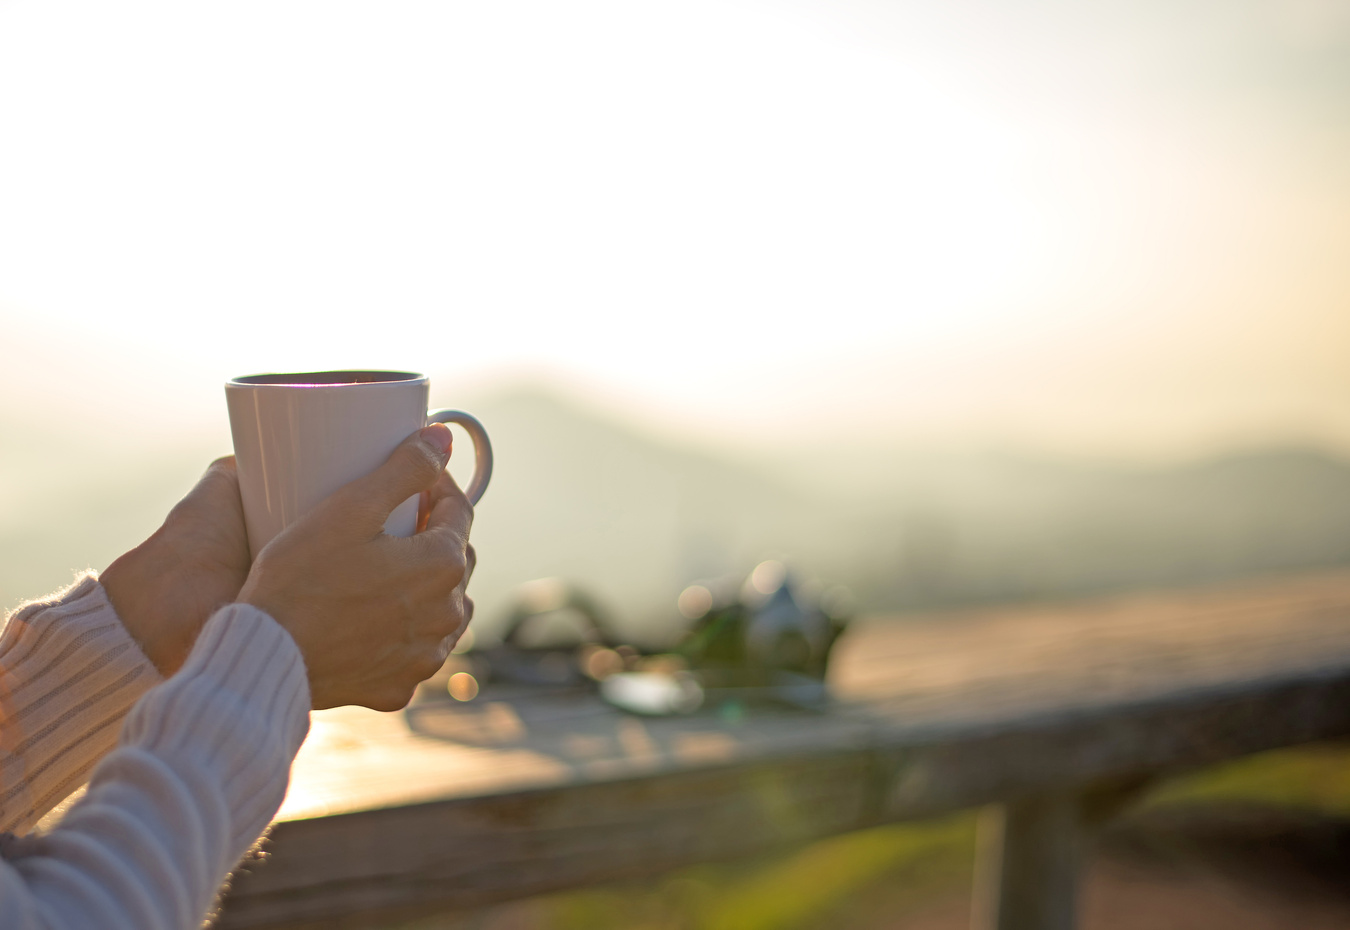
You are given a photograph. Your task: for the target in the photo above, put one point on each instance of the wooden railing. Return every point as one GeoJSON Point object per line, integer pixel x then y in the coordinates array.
{"type": "Point", "coordinates": [1052, 718]}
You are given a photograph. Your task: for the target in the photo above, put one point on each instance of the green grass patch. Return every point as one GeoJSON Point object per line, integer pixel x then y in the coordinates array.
{"type": "Point", "coordinates": [1313, 778]}
{"type": "Point", "coordinates": [784, 892]}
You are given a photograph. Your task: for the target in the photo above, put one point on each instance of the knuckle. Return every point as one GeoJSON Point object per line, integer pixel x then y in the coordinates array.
{"type": "Point", "coordinates": [429, 665]}
{"type": "Point", "coordinates": [449, 643]}
{"type": "Point", "coordinates": [454, 495]}
{"type": "Point", "coordinates": [452, 569]}
{"type": "Point", "coordinates": [442, 581]}
{"type": "Point", "coordinates": [450, 621]}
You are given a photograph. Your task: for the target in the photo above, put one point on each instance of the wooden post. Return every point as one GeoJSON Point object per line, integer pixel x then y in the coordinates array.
{"type": "Point", "coordinates": [1028, 860]}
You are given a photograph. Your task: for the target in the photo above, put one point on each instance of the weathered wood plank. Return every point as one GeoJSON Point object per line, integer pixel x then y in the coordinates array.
{"type": "Point", "coordinates": [959, 769]}
{"type": "Point", "coordinates": [459, 807]}
{"type": "Point", "coordinates": [471, 852]}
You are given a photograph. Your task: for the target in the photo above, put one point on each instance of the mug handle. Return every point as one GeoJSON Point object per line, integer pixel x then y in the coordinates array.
{"type": "Point", "coordinates": [482, 449]}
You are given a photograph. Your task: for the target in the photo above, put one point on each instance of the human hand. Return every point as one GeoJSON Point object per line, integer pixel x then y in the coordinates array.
{"type": "Point", "coordinates": [373, 614]}
{"type": "Point", "coordinates": [167, 587]}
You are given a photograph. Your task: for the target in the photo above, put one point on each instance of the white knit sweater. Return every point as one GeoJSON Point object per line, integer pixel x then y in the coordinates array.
{"type": "Point", "coordinates": [199, 768]}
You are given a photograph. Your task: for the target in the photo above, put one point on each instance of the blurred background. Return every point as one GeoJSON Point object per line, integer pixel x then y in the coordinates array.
{"type": "Point", "coordinates": [949, 303]}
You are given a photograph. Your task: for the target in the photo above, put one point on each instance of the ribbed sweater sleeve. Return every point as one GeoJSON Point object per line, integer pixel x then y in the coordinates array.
{"type": "Point", "coordinates": [200, 769]}
{"type": "Point", "coordinates": [69, 673]}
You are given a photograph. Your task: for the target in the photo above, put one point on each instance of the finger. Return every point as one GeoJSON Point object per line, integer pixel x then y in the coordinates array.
{"type": "Point", "coordinates": [445, 486]}
{"type": "Point", "coordinates": [220, 473]}
{"type": "Point", "coordinates": [225, 465]}
{"type": "Point", "coordinates": [451, 517]}
{"type": "Point", "coordinates": [444, 543]}
{"type": "Point", "coordinates": [414, 466]}
{"type": "Point", "coordinates": [423, 510]}
{"type": "Point", "coordinates": [465, 618]}
{"type": "Point", "coordinates": [217, 487]}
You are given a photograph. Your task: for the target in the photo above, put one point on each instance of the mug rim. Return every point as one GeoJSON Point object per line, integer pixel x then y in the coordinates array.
{"type": "Point", "coordinates": [343, 377]}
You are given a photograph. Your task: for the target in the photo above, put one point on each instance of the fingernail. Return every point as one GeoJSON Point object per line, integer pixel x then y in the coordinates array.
{"type": "Point", "coordinates": [438, 436]}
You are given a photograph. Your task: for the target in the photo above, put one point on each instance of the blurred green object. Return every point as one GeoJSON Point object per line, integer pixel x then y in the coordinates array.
{"type": "Point", "coordinates": [769, 626]}
{"type": "Point", "coordinates": [768, 640]}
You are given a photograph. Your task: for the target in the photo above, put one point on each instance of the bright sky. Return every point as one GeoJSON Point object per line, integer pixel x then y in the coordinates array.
{"type": "Point", "coordinates": [1122, 231]}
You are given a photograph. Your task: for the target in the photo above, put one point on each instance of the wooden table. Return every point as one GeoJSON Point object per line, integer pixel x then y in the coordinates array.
{"type": "Point", "coordinates": [1053, 714]}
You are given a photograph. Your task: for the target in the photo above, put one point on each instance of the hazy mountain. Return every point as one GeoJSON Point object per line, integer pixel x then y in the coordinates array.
{"type": "Point", "coordinates": [68, 503]}
{"type": "Point", "coordinates": [638, 517]}
{"type": "Point", "coordinates": [635, 518]}
{"type": "Point", "coordinates": [996, 527]}
{"type": "Point", "coordinates": [582, 498]}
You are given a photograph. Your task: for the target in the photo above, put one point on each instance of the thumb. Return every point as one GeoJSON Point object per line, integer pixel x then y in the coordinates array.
{"type": "Point", "coordinates": [216, 489]}
{"type": "Point", "coordinates": [413, 467]}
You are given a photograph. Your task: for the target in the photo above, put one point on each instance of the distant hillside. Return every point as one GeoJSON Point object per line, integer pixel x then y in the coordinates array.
{"type": "Point", "coordinates": [635, 518]}
{"type": "Point", "coordinates": [995, 527]}
{"type": "Point", "coordinates": [67, 503]}
{"type": "Point", "coordinates": [579, 497]}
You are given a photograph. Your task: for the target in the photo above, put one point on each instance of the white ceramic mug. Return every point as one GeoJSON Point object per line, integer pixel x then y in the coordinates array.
{"type": "Point", "coordinates": [299, 437]}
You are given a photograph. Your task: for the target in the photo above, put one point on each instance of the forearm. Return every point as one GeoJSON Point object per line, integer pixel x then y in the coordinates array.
{"type": "Point", "coordinates": [69, 674]}
{"type": "Point", "coordinates": [201, 768]}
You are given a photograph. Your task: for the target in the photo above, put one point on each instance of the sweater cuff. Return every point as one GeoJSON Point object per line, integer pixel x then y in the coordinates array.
{"type": "Point", "coordinates": [70, 672]}
{"type": "Point", "coordinates": [235, 715]}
